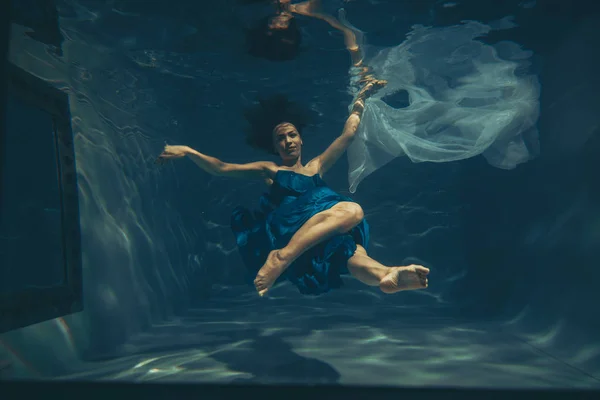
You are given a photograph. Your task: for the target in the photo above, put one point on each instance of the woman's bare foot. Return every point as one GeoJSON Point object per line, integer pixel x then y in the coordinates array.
{"type": "Point", "coordinates": [270, 271]}
{"type": "Point", "coordinates": [404, 278]}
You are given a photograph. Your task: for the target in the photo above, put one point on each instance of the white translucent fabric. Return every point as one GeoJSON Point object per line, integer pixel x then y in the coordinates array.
{"type": "Point", "coordinates": [465, 98]}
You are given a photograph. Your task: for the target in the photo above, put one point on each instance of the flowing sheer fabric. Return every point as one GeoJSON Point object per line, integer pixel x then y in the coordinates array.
{"type": "Point", "coordinates": [465, 98]}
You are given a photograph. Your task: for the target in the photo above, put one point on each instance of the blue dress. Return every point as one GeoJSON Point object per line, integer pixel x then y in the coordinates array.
{"type": "Point", "coordinates": [291, 201]}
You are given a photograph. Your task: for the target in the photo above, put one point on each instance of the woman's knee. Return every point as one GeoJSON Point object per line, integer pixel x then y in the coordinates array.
{"type": "Point", "coordinates": [350, 212]}
{"type": "Point", "coordinates": [360, 251]}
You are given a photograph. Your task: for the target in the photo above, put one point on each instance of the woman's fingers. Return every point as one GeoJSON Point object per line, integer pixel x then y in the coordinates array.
{"type": "Point", "coordinates": [169, 152]}
{"type": "Point", "coordinates": [161, 159]}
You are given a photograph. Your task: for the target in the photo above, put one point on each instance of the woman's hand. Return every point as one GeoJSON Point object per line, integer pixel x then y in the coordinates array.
{"type": "Point", "coordinates": [171, 153]}
{"type": "Point", "coordinates": [371, 87]}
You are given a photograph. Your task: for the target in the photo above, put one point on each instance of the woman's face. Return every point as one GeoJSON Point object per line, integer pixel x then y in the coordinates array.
{"type": "Point", "coordinates": [287, 141]}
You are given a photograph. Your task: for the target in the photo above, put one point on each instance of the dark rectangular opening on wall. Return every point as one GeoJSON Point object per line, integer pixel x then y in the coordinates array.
{"type": "Point", "coordinates": [40, 245]}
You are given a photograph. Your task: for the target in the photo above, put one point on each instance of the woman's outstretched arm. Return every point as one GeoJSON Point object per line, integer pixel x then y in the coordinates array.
{"type": "Point", "coordinates": [255, 170]}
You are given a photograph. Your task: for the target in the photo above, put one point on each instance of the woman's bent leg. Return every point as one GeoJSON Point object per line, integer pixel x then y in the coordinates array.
{"type": "Point", "coordinates": [339, 219]}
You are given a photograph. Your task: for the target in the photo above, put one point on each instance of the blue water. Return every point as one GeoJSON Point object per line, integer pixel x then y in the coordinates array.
{"type": "Point", "coordinates": [513, 253]}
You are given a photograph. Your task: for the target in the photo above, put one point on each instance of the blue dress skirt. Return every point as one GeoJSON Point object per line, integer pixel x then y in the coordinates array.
{"type": "Point", "coordinates": [292, 200]}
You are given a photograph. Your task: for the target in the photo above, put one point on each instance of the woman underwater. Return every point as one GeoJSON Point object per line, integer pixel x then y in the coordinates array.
{"type": "Point", "coordinates": [303, 230]}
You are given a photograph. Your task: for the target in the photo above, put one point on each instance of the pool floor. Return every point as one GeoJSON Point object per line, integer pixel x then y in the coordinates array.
{"type": "Point", "coordinates": [239, 338]}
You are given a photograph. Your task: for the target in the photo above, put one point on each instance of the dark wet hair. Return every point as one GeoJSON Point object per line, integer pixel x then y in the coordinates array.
{"type": "Point", "coordinates": [274, 44]}
{"type": "Point", "coordinates": [270, 112]}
